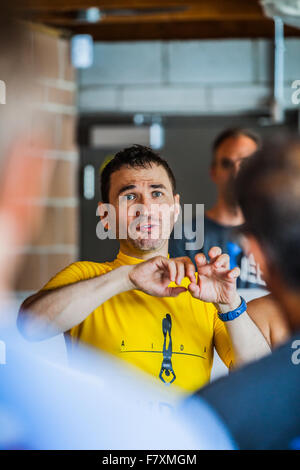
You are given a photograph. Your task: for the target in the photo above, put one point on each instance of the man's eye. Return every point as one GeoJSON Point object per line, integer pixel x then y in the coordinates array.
{"type": "Point", "coordinates": [157, 194]}
{"type": "Point", "coordinates": [225, 163]}
{"type": "Point", "coordinates": [129, 197]}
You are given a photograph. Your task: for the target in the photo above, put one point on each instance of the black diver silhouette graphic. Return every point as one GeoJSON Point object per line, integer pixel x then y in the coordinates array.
{"type": "Point", "coordinates": [167, 352]}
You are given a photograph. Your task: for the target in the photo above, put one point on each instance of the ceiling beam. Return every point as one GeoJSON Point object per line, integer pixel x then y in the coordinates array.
{"type": "Point", "coordinates": [209, 9]}
{"type": "Point", "coordinates": [183, 30]}
{"type": "Point", "coordinates": [193, 13]}
{"type": "Point", "coordinates": [193, 19]}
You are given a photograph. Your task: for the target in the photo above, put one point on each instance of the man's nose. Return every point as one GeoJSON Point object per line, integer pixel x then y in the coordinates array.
{"type": "Point", "coordinates": [144, 206]}
{"type": "Point", "coordinates": [236, 167]}
{"type": "Point", "coordinates": [149, 208]}
{"type": "Point", "coordinates": [146, 202]}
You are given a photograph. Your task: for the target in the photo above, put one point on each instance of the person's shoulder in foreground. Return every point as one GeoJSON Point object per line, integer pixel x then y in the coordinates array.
{"type": "Point", "coordinates": [260, 402]}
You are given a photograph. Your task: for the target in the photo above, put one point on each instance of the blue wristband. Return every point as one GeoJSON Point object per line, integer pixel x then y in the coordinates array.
{"type": "Point", "coordinates": [234, 313]}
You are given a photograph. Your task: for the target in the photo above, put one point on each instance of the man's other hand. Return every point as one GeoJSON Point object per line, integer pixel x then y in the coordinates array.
{"type": "Point", "coordinates": [154, 276]}
{"type": "Point", "coordinates": [216, 282]}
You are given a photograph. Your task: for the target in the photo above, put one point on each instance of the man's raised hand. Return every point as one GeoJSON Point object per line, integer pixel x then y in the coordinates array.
{"type": "Point", "coordinates": [216, 282]}
{"type": "Point", "coordinates": [154, 276]}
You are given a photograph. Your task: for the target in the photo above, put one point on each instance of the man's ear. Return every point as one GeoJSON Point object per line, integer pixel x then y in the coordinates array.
{"type": "Point", "coordinates": [212, 173]}
{"type": "Point", "coordinates": [177, 207]}
{"type": "Point", "coordinates": [103, 213]}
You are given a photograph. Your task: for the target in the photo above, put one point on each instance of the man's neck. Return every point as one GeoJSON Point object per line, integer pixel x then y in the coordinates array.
{"type": "Point", "coordinates": [224, 214]}
{"type": "Point", "coordinates": [129, 250]}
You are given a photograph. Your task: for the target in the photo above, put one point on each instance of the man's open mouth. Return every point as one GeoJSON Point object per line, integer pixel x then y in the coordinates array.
{"type": "Point", "coordinates": [146, 227]}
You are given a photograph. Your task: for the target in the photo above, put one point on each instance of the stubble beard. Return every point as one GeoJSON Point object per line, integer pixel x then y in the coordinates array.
{"type": "Point", "coordinates": [146, 244]}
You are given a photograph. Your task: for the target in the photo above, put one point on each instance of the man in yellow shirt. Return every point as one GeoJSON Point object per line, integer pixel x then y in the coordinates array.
{"type": "Point", "coordinates": [143, 307]}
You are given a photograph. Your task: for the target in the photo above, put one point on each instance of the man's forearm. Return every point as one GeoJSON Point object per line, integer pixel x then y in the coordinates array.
{"type": "Point", "coordinates": [247, 340]}
{"type": "Point", "coordinates": [56, 311]}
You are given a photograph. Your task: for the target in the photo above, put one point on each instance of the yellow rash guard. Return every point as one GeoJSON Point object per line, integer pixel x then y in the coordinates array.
{"type": "Point", "coordinates": [170, 338]}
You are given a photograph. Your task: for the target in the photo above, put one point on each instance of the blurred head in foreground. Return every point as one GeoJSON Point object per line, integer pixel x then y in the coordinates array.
{"type": "Point", "coordinates": [268, 191]}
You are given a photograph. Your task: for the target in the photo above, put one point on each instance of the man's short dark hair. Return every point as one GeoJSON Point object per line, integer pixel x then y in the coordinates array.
{"type": "Point", "coordinates": [137, 156]}
{"type": "Point", "coordinates": [268, 192]}
{"type": "Point", "coordinates": [233, 132]}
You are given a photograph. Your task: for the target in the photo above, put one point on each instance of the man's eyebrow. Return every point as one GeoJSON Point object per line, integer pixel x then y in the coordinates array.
{"type": "Point", "coordinates": [157, 186]}
{"type": "Point", "coordinates": [126, 188]}
{"type": "Point", "coordinates": [133, 186]}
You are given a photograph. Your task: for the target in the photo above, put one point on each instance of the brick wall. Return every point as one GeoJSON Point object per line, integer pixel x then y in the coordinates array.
{"type": "Point", "coordinates": [56, 245]}
{"type": "Point", "coordinates": [205, 77]}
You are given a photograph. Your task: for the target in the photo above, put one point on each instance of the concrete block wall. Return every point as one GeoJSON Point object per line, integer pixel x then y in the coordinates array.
{"type": "Point", "coordinates": [185, 76]}
{"type": "Point", "coordinates": [56, 245]}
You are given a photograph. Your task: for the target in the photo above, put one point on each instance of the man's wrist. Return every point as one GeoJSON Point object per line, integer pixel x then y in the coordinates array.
{"type": "Point", "coordinates": [224, 308]}
{"type": "Point", "coordinates": [126, 284]}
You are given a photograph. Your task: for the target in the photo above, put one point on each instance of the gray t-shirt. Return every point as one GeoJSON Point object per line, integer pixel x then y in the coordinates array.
{"type": "Point", "coordinates": [228, 239]}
